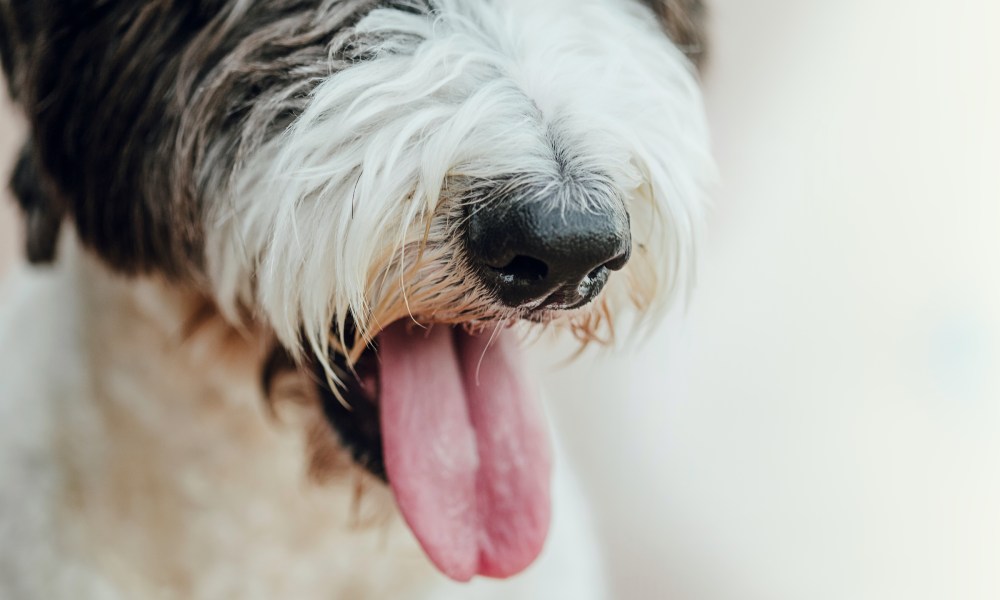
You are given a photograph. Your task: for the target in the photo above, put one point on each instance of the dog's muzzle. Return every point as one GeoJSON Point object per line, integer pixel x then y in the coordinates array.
{"type": "Point", "coordinates": [445, 413]}
{"type": "Point", "coordinates": [537, 255]}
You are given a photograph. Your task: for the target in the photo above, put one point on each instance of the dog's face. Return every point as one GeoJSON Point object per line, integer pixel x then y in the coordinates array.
{"type": "Point", "coordinates": [388, 186]}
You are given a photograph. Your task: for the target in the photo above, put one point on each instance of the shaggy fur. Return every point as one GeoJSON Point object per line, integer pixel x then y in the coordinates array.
{"type": "Point", "coordinates": [256, 189]}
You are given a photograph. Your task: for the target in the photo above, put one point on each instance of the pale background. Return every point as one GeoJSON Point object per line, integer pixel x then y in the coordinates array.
{"type": "Point", "coordinates": [822, 422]}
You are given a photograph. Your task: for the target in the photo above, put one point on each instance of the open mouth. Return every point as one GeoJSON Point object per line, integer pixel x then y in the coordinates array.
{"type": "Point", "coordinates": [448, 419]}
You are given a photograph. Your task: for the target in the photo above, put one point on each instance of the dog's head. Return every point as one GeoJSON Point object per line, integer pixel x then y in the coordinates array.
{"type": "Point", "coordinates": [388, 186]}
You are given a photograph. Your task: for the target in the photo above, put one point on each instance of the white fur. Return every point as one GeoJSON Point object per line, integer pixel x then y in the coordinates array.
{"type": "Point", "coordinates": [483, 90]}
{"type": "Point", "coordinates": [139, 464]}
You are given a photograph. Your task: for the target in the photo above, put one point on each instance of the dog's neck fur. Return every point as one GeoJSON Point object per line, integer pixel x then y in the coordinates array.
{"type": "Point", "coordinates": [171, 466]}
{"type": "Point", "coordinates": [141, 460]}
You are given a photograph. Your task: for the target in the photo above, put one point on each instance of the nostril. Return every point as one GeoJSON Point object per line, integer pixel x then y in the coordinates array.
{"type": "Point", "coordinates": [527, 255]}
{"type": "Point", "coordinates": [597, 272]}
{"type": "Point", "coordinates": [523, 268]}
{"type": "Point", "coordinates": [618, 263]}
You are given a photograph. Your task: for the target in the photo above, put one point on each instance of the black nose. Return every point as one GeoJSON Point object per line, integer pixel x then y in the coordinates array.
{"type": "Point", "coordinates": [552, 255]}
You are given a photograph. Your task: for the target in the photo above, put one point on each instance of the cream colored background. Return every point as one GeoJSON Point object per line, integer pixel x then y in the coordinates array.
{"type": "Point", "coordinates": [823, 421]}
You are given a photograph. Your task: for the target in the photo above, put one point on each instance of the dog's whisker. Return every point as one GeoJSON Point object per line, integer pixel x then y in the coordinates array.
{"type": "Point", "coordinates": [482, 356]}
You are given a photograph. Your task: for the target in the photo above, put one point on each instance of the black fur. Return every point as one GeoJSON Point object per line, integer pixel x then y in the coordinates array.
{"type": "Point", "coordinates": [141, 110]}
{"type": "Point", "coordinates": [686, 22]}
{"type": "Point", "coordinates": [42, 211]}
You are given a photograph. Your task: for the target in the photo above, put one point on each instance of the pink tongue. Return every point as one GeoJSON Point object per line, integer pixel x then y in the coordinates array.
{"type": "Point", "coordinates": [466, 449]}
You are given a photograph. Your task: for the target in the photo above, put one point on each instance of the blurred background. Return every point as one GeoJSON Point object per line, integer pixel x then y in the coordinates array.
{"type": "Point", "coordinates": [823, 420]}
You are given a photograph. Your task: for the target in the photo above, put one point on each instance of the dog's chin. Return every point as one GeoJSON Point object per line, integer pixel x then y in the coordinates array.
{"type": "Point", "coordinates": [352, 411]}
{"type": "Point", "coordinates": [351, 405]}
{"type": "Point", "coordinates": [445, 415]}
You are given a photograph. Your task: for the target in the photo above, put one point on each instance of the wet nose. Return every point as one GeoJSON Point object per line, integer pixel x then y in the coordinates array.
{"type": "Point", "coordinates": [550, 255]}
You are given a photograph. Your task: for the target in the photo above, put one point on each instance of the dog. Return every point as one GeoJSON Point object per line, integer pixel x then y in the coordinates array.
{"type": "Point", "coordinates": [283, 255]}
